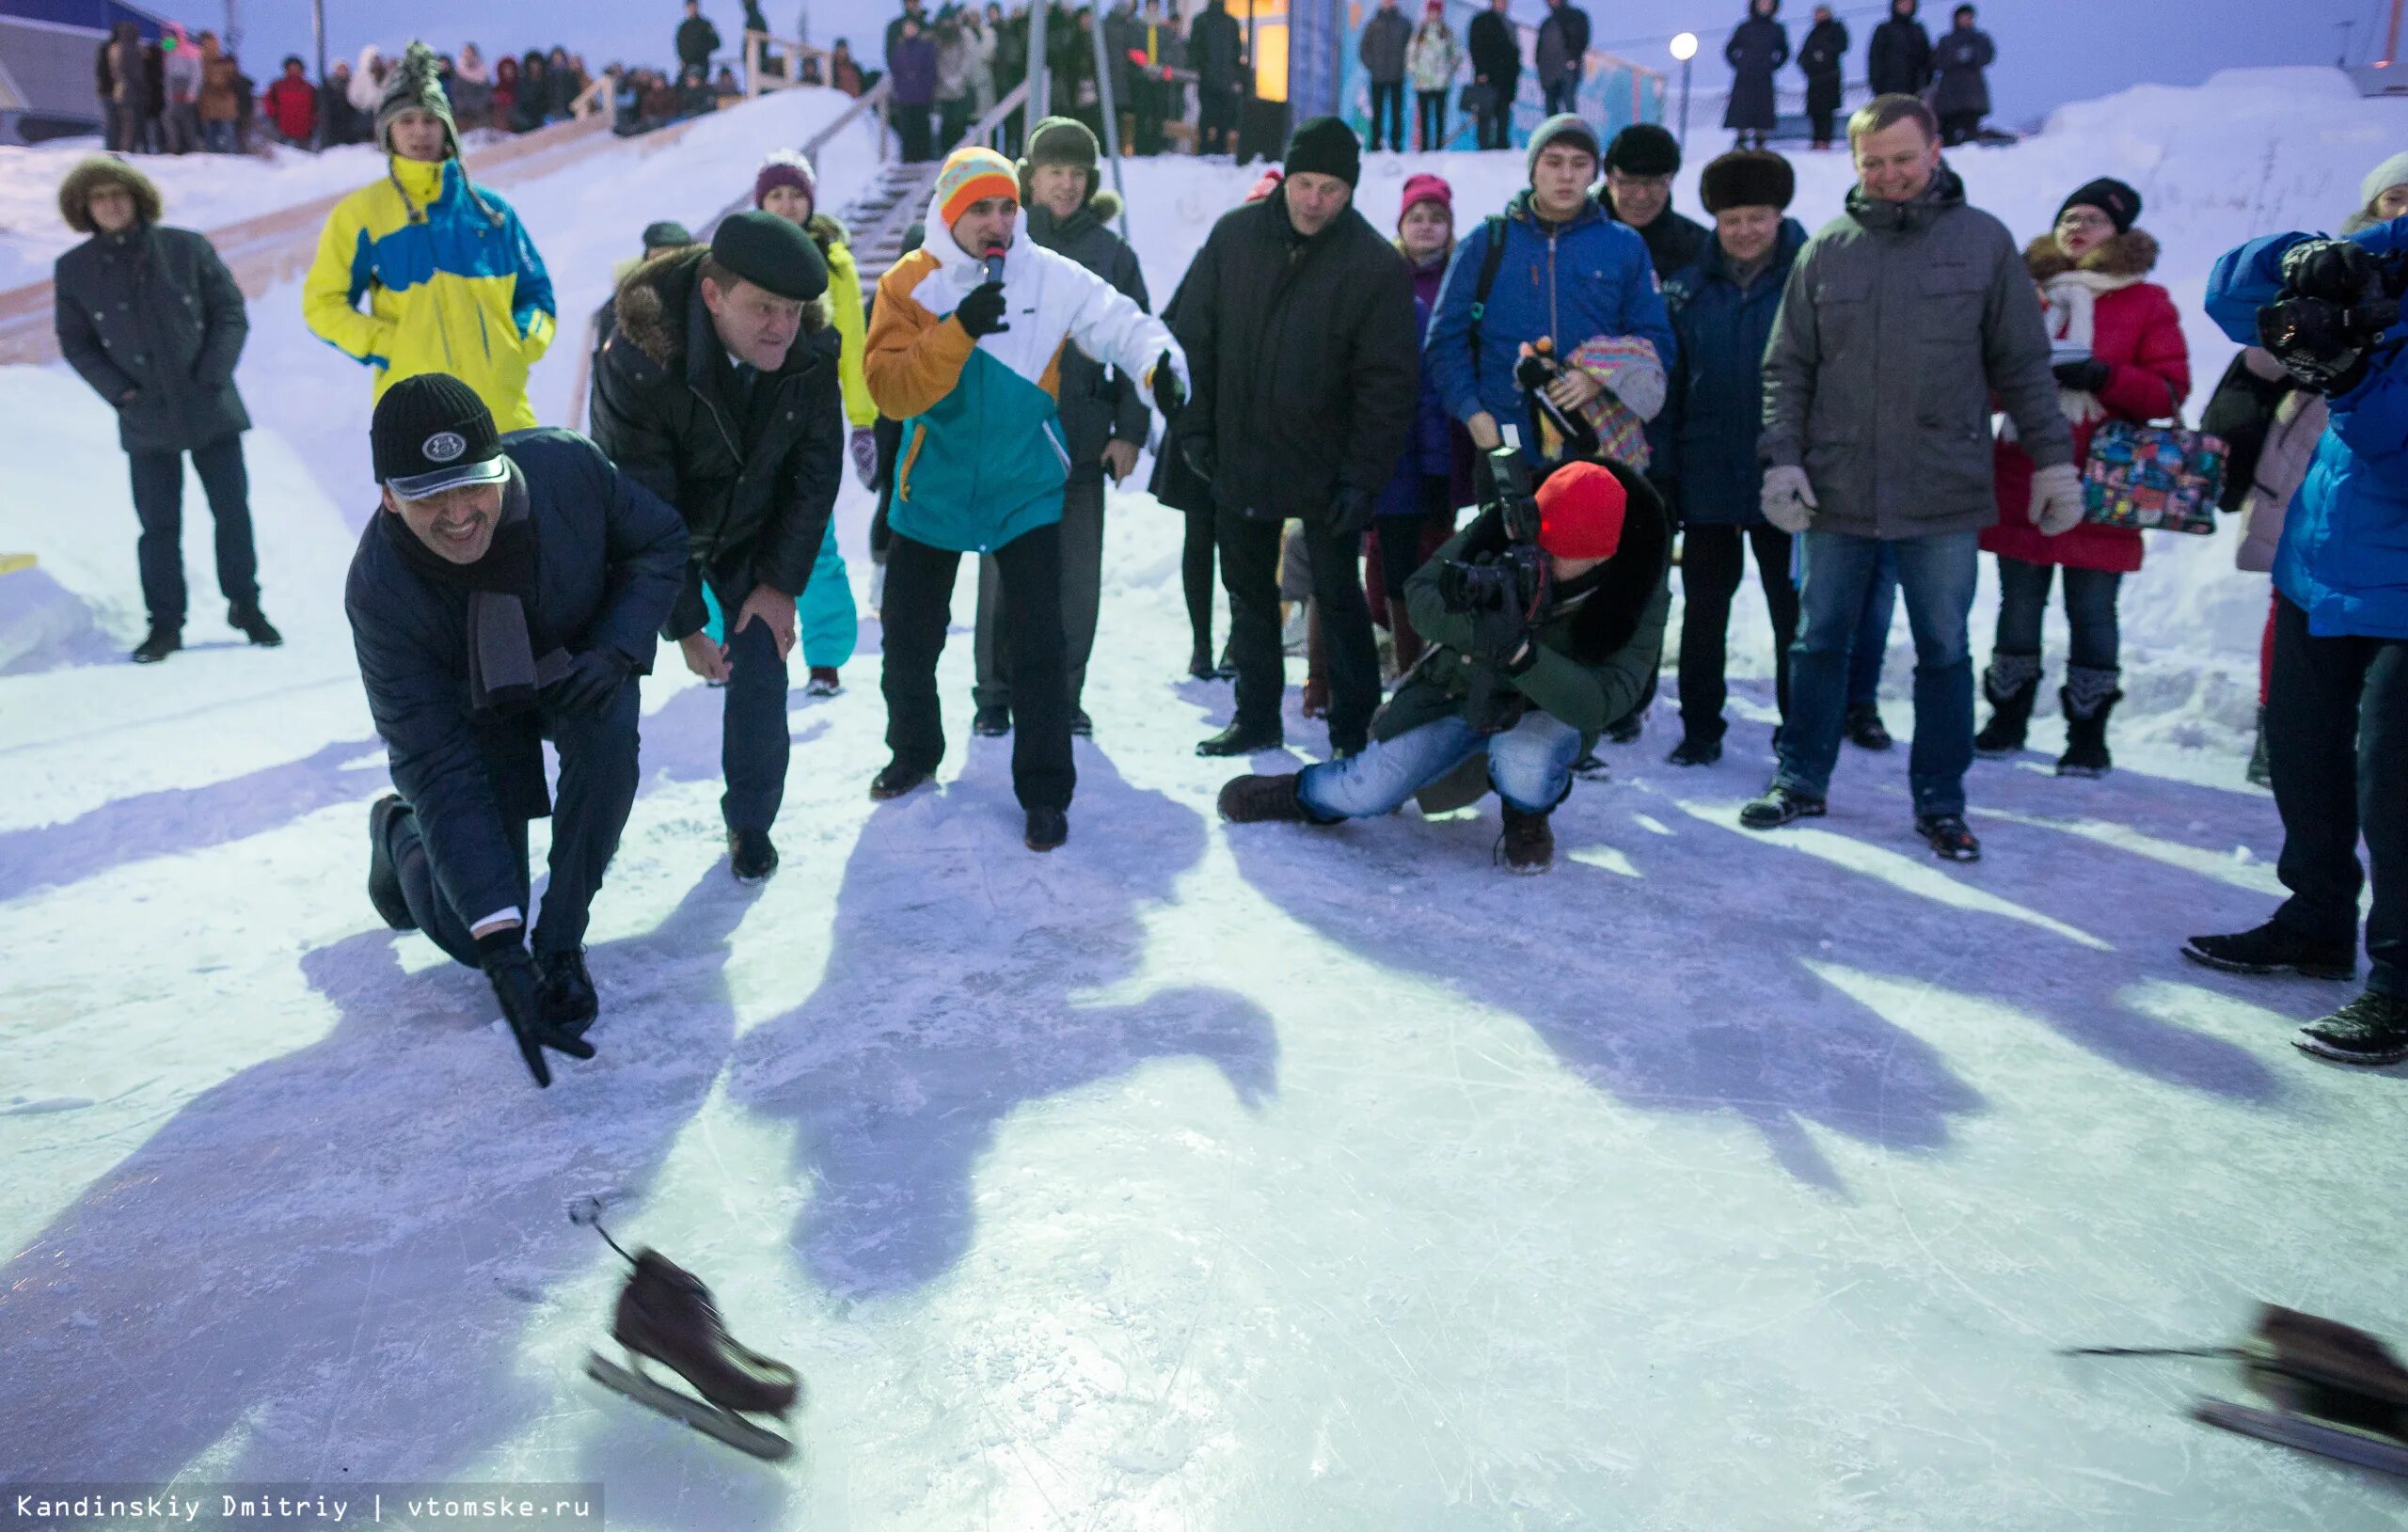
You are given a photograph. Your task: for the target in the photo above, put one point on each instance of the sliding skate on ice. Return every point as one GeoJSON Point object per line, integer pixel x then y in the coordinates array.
{"type": "Point", "coordinates": [666, 1315]}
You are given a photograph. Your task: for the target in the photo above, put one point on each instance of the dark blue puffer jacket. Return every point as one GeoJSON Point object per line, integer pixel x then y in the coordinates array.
{"type": "Point", "coordinates": [1713, 404]}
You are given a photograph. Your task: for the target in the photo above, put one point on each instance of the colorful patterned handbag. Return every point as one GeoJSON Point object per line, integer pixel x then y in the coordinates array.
{"type": "Point", "coordinates": [2153, 477]}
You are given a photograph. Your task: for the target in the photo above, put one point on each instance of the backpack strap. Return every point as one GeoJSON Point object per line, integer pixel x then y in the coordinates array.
{"type": "Point", "coordinates": [1490, 260]}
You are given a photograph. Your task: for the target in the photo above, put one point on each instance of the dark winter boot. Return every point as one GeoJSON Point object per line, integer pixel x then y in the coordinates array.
{"type": "Point", "coordinates": [992, 722]}
{"type": "Point", "coordinates": [1694, 751]}
{"type": "Point", "coordinates": [2274, 949]}
{"type": "Point", "coordinates": [569, 1001]}
{"type": "Point", "coordinates": [2261, 766]}
{"type": "Point", "coordinates": [1528, 844]}
{"type": "Point", "coordinates": [2011, 684]}
{"type": "Point", "coordinates": [1948, 836]}
{"type": "Point", "coordinates": [1257, 800]}
{"type": "Point", "coordinates": [253, 624]}
{"type": "Point", "coordinates": [1863, 727]}
{"type": "Point", "coordinates": [384, 877]}
{"type": "Point", "coordinates": [1777, 806]}
{"type": "Point", "coordinates": [894, 780]}
{"type": "Point", "coordinates": [2087, 696]}
{"type": "Point", "coordinates": [2371, 1030]}
{"type": "Point", "coordinates": [1237, 739]}
{"type": "Point", "coordinates": [1046, 829]}
{"type": "Point", "coordinates": [665, 1313]}
{"type": "Point", "coordinates": [164, 638]}
{"type": "Point", "coordinates": [750, 856]}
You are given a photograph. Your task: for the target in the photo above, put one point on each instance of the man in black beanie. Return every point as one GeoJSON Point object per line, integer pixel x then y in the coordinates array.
{"type": "Point", "coordinates": [1641, 163]}
{"type": "Point", "coordinates": [719, 395]}
{"type": "Point", "coordinates": [505, 594]}
{"type": "Point", "coordinates": [1298, 322]}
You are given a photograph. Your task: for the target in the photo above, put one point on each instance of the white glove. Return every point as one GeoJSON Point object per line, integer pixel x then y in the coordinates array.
{"type": "Point", "coordinates": [2056, 499]}
{"type": "Point", "coordinates": [1788, 499]}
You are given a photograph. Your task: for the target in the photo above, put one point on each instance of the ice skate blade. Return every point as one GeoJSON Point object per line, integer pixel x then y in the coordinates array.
{"type": "Point", "coordinates": [2326, 1440]}
{"type": "Point", "coordinates": [705, 1418]}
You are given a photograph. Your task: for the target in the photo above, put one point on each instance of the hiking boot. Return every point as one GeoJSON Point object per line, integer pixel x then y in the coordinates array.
{"type": "Point", "coordinates": [1256, 800]}
{"type": "Point", "coordinates": [1778, 805]}
{"type": "Point", "coordinates": [1047, 828]}
{"type": "Point", "coordinates": [1528, 844]}
{"type": "Point", "coordinates": [2087, 737]}
{"type": "Point", "coordinates": [749, 855]}
{"type": "Point", "coordinates": [1238, 739]}
{"type": "Point", "coordinates": [253, 624]}
{"type": "Point", "coordinates": [2370, 1031]}
{"type": "Point", "coordinates": [1949, 838]}
{"type": "Point", "coordinates": [992, 722]}
{"type": "Point", "coordinates": [164, 640]}
{"type": "Point", "coordinates": [1693, 751]}
{"type": "Point", "coordinates": [2274, 948]}
{"type": "Point", "coordinates": [383, 878]}
{"type": "Point", "coordinates": [1863, 727]}
{"type": "Point", "coordinates": [894, 780]}
{"type": "Point", "coordinates": [569, 1001]}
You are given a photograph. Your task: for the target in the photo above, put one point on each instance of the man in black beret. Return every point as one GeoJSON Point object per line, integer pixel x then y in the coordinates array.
{"type": "Point", "coordinates": [505, 594]}
{"type": "Point", "coordinates": [719, 394]}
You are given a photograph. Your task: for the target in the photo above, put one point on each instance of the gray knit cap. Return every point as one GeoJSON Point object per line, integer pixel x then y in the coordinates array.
{"type": "Point", "coordinates": [416, 84]}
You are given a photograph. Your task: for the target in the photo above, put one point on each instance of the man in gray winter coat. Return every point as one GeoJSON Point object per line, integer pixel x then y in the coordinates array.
{"type": "Point", "coordinates": [1105, 416]}
{"type": "Point", "coordinates": [151, 319]}
{"type": "Point", "coordinates": [1901, 319]}
{"type": "Point", "coordinates": [1387, 36]}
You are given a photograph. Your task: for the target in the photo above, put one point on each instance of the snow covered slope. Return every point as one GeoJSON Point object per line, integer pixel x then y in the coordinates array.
{"type": "Point", "coordinates": [1189, 1177]}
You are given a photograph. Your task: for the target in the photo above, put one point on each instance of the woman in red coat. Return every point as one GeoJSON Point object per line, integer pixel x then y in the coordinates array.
{"type": "Point", "coordinates": [2120, 355]}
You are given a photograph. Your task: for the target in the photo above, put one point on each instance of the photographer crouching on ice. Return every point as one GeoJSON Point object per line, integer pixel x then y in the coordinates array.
{"type": "Point", "coordinates": [2337, 705]}
{"type": "Point", "coordinates": [1544, 619]}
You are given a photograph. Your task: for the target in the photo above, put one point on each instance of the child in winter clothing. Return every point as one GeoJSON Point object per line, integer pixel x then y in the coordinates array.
{"type": "Point", "coordinates": [449, 280]}
{"type": "Point", "coordinates": [1432, 60]}
{"type": "Point", "coordinates": [965, 348]}
{"type": "Point", "coordinates": [2119, 355]}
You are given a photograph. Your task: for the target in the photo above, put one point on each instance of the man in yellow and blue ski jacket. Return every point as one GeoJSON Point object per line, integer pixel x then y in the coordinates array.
{"type": "Point", "coordinates": [424, 272]}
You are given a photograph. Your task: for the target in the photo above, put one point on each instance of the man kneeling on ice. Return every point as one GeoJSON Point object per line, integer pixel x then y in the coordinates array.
{"type": "Point", "coordinates": [1544, 619]}
{"type": "Point", "coordinates": [507, 594]}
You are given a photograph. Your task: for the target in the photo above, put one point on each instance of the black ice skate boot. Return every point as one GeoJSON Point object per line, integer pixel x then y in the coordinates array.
{"type": "Point", "coordinates": [665, 1314]}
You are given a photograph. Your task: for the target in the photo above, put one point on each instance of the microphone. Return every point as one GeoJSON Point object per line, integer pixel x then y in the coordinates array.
{"type": "Point", "coordinates": [993, 262]}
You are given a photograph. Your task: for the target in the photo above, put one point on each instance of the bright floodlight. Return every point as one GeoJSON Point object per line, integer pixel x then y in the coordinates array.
{"type": "Point", "coordinates": [1685, 46]}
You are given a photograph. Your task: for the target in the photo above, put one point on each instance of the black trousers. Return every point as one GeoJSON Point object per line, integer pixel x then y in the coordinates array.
{"type": "Point", "coordinates": [1082, 598]}
{"type": "Point", "coordinates": [159, 502]}
{"type": "Point", "coordinates": [1713, 557]}
{"type": "Point", "coordinates": [1387, 105]}
{"type": "Point", "coordinates": [2337, 736]}
{"type": "Point", "coordinates": [1217, 121]}
{"type": "Point", "coordinates": [1493, 125]}
{"type": "Point", "coordinates": [911, 125]}
{"type": "Point", "coordinates": [1432, 104]}
{"type": "Point", "coordinates": [1959, 127]}
{"type": "Point", "coordinates": [1195, 578]}
{"type": "Point", "coordinates": [919, 608]}
{"type": "Point", "coordinates": [1823, 124]}
{"type": "Point", "coordinates": [1250, 573]}
{"type": "Point", "coordinates": [596, 788]}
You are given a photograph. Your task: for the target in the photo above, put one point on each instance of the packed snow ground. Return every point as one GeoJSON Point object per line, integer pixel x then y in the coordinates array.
{"type": "Point", "coordinates": [1188, 1176]}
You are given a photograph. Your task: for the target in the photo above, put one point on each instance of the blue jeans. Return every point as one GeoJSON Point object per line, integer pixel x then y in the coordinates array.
{"type": "Point", "coordinates": [1873, 634]}
{"type": "Point", "coordinates": [1936, 574]}
{"type": "Point", "coordinates": [1529, 765]}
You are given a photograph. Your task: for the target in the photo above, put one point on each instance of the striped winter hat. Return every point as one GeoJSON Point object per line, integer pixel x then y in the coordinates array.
{"type": "Point", "coordinates": [969, 175]}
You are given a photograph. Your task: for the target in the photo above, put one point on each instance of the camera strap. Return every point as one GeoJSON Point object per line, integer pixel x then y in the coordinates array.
{"type": "Point", "coordinates": [1490, 260]}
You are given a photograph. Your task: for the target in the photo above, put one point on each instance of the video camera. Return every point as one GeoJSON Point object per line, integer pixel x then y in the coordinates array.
{"type": "Point", "coordinates": [2338, 301]}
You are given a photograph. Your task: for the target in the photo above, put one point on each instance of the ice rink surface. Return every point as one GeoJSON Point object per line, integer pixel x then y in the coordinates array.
{"type": "Point", "coordinates": [1190, 1177]}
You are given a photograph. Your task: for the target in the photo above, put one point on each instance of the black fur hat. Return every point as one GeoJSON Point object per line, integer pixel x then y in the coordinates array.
{"type": "Point", "coordinates": [1747, 178]}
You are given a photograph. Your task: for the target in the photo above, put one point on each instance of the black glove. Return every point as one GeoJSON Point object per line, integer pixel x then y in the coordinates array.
{"type": "Point", "coordinates": [1201, 457]}
{"type": "Point", "coordinates": [516, 983]}
{"type": "Point", "coordinates": [982, 312]}
{"type": "Point", "coordinates": [1351, 512]}
{"type": "Point", "coordinates": [2086, 376]}
{"type": "Point", "coordinates": [592, 683]}
{"type": "Point", "coordinates": [2338, 271]}
{"type": "Point", "coordinates": [1500, 636]}
{"type": "Point", "coordinates": [1169, 396]}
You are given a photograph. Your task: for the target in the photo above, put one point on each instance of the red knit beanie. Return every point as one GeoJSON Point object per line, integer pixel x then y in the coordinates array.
{"type": "Point", "coordinates": [1425, 187]}
{"type": "Point", "coordinates": [1580, 508]}
{"type": "Point", "coordinates": [785, 168]}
